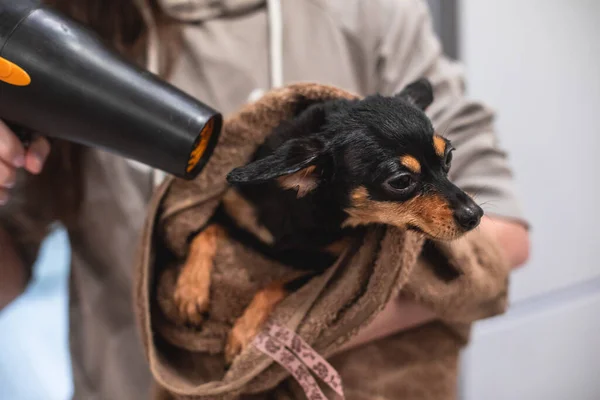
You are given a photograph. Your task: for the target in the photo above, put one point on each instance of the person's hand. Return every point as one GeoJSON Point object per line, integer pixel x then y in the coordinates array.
{"type": "Point", "coordinates": [513, 238]}
{"type": "Point", "coordinates": [13, 156]}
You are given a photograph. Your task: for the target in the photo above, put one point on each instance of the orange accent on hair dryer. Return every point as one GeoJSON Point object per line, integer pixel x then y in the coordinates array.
{"type": "Point", "coordinates": [13, 74]}
{"type": "Point", "coordinates": [201, 145]}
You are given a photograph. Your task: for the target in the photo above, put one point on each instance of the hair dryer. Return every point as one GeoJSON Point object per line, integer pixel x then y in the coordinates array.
{"type": "Point", "coordinates": [59, 79]}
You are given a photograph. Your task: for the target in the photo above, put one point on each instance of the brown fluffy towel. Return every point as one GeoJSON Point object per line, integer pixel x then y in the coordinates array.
{"type": "Point", "coordinates": [462, 281]}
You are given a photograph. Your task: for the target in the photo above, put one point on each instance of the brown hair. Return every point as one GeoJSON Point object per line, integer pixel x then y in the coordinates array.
{"type": "Point", "coordinates": [57, 193]}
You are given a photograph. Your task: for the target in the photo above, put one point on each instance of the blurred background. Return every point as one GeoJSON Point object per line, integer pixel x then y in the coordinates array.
{"type": "Point", "coordinates": [536, 62]}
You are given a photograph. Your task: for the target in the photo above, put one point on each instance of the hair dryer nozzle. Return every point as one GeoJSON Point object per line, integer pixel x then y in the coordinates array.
{"type": "Point", "coordinates": [203, 146]}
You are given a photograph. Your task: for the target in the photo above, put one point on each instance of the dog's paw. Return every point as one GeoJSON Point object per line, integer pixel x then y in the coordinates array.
{"type": "Point", "coordinates": [238, 340]}
{"type": "Point", "coordinates": [191, 299]}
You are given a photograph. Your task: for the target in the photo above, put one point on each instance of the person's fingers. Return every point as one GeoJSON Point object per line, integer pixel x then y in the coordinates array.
{"type": "Point", "coordinates": [4, 196]}
{"type": "Point", "coordinates": [37, 153]}
{"type": "Point", "coordinates": [8, 176]}
{"type": "Point", "coordinates": [12, 151]}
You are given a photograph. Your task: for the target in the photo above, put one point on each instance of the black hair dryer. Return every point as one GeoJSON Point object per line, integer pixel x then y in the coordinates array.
{"type": "Point", "coordinates": [59, 79]}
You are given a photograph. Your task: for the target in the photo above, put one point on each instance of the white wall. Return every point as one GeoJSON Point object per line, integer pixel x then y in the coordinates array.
{"type": "Point", "coordinates": [537, 62]}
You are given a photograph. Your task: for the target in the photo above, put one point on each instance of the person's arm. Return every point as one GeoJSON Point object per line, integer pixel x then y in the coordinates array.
{"type": "Point", "coordinates": [397, 316]}
{"type": "Point", "coordinates": [15, 261]}
{"type": "Point", "coordinates": [407, 50]}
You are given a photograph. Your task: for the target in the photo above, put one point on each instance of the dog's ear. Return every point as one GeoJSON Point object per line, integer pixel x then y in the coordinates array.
{"type": "Point", "coordinates": [418, 93]}
{"type": "Point", "coordinates": [294, 165]}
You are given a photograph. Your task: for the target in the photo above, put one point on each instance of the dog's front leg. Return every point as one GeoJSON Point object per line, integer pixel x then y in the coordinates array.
{"type": "Point", "coordinates": [192, 290]}
{"type": "Point", "coordinates": [258, 311]}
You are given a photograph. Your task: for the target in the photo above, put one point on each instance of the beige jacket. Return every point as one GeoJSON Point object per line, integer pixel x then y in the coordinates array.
{"type": "Point", "coordinates": [232, 50]}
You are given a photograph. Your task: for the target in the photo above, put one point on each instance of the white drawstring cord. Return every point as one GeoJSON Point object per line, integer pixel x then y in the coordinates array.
{"type": "Point", "coordinates": [275, 17]}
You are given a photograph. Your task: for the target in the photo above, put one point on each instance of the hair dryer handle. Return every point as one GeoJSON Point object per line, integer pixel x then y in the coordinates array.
{"type": "Point", "coordinates": [25, 135]}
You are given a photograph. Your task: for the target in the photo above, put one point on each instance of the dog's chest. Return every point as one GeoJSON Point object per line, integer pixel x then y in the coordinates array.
{"type": "Point", "coordinates": [281, 220]}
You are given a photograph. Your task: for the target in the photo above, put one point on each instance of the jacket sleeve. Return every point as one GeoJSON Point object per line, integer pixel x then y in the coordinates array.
{"type": "Point", "coordinates": [25, 233]}
{"type": "Point", "coordinates": [29, 216]}
{"type": "Point", "coordinates": [408, 49]}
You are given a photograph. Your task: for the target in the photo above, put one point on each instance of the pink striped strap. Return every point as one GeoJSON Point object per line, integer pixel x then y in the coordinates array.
{"type": "Point", "coordinates": [295, 355]}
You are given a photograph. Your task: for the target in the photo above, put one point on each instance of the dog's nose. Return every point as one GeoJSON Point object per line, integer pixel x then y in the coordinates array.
{"type": "Point", "coordinates": [468, 216]}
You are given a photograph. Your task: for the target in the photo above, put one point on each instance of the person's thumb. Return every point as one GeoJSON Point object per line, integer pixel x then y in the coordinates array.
{"type": "Point", "coordinates": [37, 153]}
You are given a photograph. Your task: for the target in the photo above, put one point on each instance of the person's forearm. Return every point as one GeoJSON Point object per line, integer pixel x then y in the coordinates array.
{"type": "Point", "coordinates": [398, 315]}
{"type": "Point", "coordinates": [13, 276]}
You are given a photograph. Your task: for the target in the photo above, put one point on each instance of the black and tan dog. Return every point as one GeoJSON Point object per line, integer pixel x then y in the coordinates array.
{"type": "Point", "coordinates": [318, 180]}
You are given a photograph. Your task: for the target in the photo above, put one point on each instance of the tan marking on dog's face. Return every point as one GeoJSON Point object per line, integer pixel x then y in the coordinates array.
{"type": "Point", "coordinates": [411, 163]}
{"type": "Point", "coordinates": [303, 181]}
{"type": "Point", "coordinates": [439, 145]}
{"type": "Point", "coordinates": [429, 213]}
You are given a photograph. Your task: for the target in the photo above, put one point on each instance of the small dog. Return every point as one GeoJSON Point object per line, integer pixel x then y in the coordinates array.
{"type": "Point", "coordinates": [319, 179]}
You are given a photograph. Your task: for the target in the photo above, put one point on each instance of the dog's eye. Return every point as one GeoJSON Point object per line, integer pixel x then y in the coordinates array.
{"type": "Point", "coordinates": [400, 183]}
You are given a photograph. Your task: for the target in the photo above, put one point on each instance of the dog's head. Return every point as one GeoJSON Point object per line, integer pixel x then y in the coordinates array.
{"type": "Point", "coordinates": [381, 161]}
